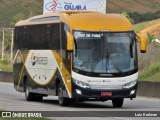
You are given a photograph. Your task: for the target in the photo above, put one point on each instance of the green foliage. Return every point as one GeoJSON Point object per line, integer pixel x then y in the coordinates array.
{"type": "Point", "coordinates": [12, 10]}
{"type": "Point", "coordinates": [150, 37]}
{"type": "Point", "coordinates": [140, 26]}
{"type": "Point", "coordinates": [144, 17]}
{"type": "Point", "coordinates": [7, 39]}
{"type": "Point", "coordinates": [16, 18]}
{"type": "Point", "coordinates": [150, 73]}
{"type": "Point", "coordinates": [6, 66]}
{"type": "Point", "coordinates": [4, 62]}
{"type": "Point", "coordinates": [140, 6]}
{"type": "Point", "coordinates": [128, 16]}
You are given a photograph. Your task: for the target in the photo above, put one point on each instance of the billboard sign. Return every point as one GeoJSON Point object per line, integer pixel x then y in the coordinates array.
{"type": "Point", "coordinates": [60, 5]}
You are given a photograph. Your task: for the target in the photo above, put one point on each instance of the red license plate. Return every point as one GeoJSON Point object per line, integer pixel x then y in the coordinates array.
{"type": "Point", "coordinates": [106, 93]}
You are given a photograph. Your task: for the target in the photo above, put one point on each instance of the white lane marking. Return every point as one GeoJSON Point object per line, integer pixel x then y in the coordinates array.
{"type": "Point", "coordinates": [148, 98]}
{"type": "Point", "coordinates": [120, 118]}
{"type": "Point", "coordinates": [34, 104]}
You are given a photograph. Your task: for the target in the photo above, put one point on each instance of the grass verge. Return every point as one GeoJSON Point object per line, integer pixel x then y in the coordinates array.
{"type": "Point", "coordinates": [143, 25]}
{"type": "Point", "coordinates": [151, 73]}
{"type": "Point", "coordinates": [5, 66]}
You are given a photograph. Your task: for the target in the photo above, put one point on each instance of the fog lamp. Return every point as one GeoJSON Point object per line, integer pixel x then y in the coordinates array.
{"type": "Point", "coordinates": [132, 92]}
{"type": "Point", "coordinates": [78, 92]}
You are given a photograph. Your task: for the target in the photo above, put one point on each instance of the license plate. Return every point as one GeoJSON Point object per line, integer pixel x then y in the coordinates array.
{"type": "Point", "coordinates": [106, 93]}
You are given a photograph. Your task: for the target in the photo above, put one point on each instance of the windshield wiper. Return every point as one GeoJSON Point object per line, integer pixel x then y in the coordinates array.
{"type": "Point", "coordinates": [102, 50]}
{"type": "Point", "coordinates": [131, 47]}
{"type": "Point", "coordinates": [107, 54]}
{"type": "Point", "coordinates": [108, 58]}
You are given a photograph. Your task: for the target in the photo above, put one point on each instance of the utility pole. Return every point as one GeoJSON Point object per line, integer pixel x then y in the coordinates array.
{"type": "Point", "coordinates": [3, 45]}
{"type": "Point", "coordinates": [12, 37]}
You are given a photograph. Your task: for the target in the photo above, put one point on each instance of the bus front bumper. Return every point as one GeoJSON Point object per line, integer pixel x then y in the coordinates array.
{"type": "Point", "coordinates": [100, 95]}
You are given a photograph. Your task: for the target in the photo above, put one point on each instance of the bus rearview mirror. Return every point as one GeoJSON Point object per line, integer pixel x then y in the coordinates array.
{"type": "Point", "coordinates": [143, 42]}
{"type": "Point", "coordinates": [70, 41]}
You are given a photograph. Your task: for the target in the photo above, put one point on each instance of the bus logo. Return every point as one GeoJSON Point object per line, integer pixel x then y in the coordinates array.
{"type": "Point", "coordinates": [70, 6]}
{"type": "Point", "coordinates": [106, 75]}
{"type": "Point", "coordinates": [56, 6]}
{"type": "Point", "coordinates": [38, 60]}
{"type": "Point", "coordinates": [53, 6]}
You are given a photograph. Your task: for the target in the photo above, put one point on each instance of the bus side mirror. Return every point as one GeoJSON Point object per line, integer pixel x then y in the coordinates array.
{"type": "Point", "coordinates": [143, 42]}
{"type": "Point", "coordinates": [70, 41]}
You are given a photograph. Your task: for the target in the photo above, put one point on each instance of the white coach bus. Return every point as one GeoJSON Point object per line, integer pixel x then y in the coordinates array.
{"type": "Point", "coordinates": [77, 56]}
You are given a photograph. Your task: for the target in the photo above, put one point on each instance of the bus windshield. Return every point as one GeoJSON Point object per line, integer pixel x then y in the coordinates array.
{"type": "Point", "coordinates": [105, 52]}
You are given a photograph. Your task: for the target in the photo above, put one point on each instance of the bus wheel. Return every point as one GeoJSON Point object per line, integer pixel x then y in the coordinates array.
{"type": "Point", "coordinates": [62, 100]}
{"type": "Point", "coordinates": [117, 103]}
{"type": "Point", "coordinates": [38, 97]}
{"type": "Point", "coordinates": [28, 95]}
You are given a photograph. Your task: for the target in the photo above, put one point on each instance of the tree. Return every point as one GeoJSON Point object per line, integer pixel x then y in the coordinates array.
{"type": "Point", "coordinates": [128, 16]}
{"type": "Point", "coordinates": [16, 18]}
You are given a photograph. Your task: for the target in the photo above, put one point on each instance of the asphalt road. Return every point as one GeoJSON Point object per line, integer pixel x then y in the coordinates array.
{"type": "Point", "coordinates": [12, 100]}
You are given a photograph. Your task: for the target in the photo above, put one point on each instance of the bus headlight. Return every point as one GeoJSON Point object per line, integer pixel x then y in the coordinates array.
{"type": "Point", "coordinates": [81, 84]}
{"type": "Point", "coordinates": [129, 85]}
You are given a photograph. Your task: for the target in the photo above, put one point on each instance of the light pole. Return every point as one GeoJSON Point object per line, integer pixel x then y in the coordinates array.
{"type": "Point", "coordinates": [3, 45]}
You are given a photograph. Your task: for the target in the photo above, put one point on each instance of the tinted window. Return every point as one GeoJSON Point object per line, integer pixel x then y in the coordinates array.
{"type": "Point", "coordinates": [45, 19]}
{"type": "Point", "coordinates": [41, 36]}
{"type": "Point", "coordinates": [64, 29]}
{"type": "Point", "coordinates": [55, 36]}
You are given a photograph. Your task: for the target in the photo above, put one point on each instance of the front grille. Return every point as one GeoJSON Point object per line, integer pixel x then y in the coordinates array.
{"type": "Point", "coordinates": [106, 87]}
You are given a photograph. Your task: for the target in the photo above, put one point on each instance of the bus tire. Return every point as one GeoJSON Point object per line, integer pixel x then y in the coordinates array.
{"type": "Point", "coordinates": [28, 95]}
{"type": "Point", "coordinates": [62, 100]}
{"type": "Point", "coordinates": [117, 103]}
{"type": "Point", "coordinates": [38, 97]}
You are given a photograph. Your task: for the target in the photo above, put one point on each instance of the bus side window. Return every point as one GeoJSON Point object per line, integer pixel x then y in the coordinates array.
{"type": "Point", "coordinates": [34, 37]}
{"type": "Point", "coordinates": [20, 38]}
{"type": "Point", "coordinates": [37, 38]}
{"type": "Point", "coordinates": [64, 29]}
{"type": "Point", "coordinates": [47, 37]}
{"type": "Point", "coordinates": [16, 43]}
{"type": "Point", "coordinates": [23, 38]}
{"type": "Point", "coordinates": [55, 37]}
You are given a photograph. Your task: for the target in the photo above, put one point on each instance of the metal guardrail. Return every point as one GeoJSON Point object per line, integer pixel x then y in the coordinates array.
{"type": "Point", "coordinates": [149, 89]}
{"type": "Point", "coordinates": [6, 76]}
